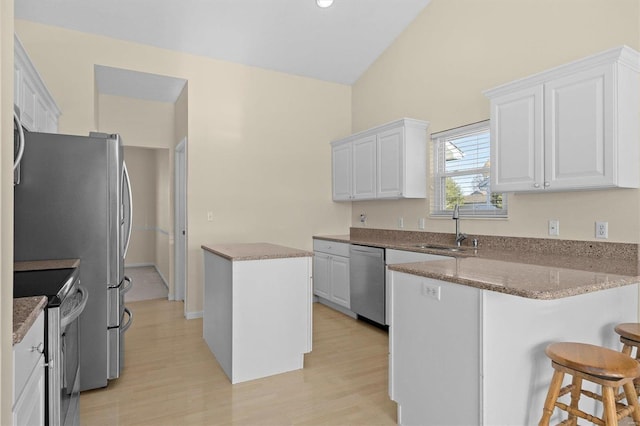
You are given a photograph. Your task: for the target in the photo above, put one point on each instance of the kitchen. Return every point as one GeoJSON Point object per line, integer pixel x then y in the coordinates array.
{"type": "Point", "coordinates": [424, 74]}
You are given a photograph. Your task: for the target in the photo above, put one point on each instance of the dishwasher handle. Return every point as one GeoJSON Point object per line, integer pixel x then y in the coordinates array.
{"type": "Point", "coordinates": [365, 250]}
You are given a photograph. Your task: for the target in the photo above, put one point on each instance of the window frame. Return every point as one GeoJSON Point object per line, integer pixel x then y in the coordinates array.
{"type": "Point", "coordinates": [439, 174]}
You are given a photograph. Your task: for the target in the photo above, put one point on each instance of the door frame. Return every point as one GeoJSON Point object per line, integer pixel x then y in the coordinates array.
{"type": "Point", "coordinates": [180, 223]}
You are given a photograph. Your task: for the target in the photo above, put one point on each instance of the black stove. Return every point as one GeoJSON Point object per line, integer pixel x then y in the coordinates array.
{"type": "Point", "coordinates": [53, 283]}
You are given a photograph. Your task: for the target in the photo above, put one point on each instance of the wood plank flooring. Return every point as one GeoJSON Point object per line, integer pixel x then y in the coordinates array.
{"type": "Point", "coordinates": [171, 378]}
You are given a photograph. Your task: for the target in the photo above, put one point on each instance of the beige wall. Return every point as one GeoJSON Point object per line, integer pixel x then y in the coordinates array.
{"type": "Point", "coordinates": [437, 69]}
{"type": "Point", "coordinates": [258, 156]}
{"type": "Point", "coordinates": [163, 210]}
{"type": "Point", "coordinates": [140, 122]}
{"type": "Point", "coordinates": [141, 164]}
{"type": "Point", "coordinates": [6, 210]}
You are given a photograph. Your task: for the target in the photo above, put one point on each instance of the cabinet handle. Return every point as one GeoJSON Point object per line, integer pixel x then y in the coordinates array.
{"type": "Point", "coordinates": [547, 184]}
{"type": "Point", "coordinates": [39, 348]}
{"type": "Point", "coordinates": [536, 185]}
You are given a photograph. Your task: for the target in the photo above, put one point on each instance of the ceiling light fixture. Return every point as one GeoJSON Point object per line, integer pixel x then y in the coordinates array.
{"type": "Point", "coordinates": [324, 3]}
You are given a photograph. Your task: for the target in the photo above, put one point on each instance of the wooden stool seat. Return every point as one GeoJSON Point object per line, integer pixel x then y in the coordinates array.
{"type": "Point", "coordinates": [608, 368]}
{"type": "Point", "coordinates": [629, 330]}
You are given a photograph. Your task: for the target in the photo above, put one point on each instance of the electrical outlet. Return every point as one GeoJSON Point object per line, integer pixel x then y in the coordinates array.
{"type": "Point", "coordinates": [210, 216]}
{"type": "Point", "coordinates": [554, 227]}
{"type": "Point", "coordinates": [363, 217]}
{"type": "Point", "coordinates": [431, 291]}
{"type": "Point", "coordinates": [421, 223]}
{"type": "Point", "coordinates": [602, 230]}
{"type": "Point", "coordinates": [400, 222]}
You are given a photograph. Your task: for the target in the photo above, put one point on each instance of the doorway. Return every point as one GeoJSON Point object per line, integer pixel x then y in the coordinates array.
{"type": "Point", "coordinates": [180, 218]}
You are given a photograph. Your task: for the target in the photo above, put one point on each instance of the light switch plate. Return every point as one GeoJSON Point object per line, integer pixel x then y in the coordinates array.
{"type": "Point", "coordinates": [554, 227]}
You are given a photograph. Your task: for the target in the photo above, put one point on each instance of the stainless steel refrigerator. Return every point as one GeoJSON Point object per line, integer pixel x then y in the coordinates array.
{"type": "Point", "coordinates": [74, 201]}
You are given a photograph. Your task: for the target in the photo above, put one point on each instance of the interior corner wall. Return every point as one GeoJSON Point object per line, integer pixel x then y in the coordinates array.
{"type": "Point", "coordinates": [6, 212]}
{"type": "Point", "coordinates": [437, 69]}
{"type": "Point", "coordinates": [181, 126]}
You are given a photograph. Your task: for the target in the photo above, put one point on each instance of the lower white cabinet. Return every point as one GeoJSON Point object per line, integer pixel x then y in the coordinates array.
{"type": "Point", "coordinates": [28, 377]}
{"type": "Point", "coordinates": [331, 272]}
{"type": "Point", "coordinates": [476, 357]}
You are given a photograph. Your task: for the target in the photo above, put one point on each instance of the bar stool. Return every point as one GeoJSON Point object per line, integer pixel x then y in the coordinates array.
{"type": "Point", "coordinates": [605, 367]}
{"type": "Point", "coordinates": [630, 337]}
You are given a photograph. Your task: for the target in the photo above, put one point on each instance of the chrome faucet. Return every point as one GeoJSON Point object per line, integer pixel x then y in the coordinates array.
{"type": "Point", "coordinates": [460, 237]}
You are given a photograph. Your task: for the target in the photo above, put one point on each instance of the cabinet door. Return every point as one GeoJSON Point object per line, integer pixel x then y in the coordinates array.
{"type": "Point", "coordinates": [517, 131]}
{"type": "Point", "coordinates": [321, 284]}
{"type": "Point", "coordinates": [579, 130]}
{"type": "Point", "coordinates": [339, 272]}
{"type": "Point", "coordinates": [364, 168]}
{"type": "Point", "coordinates": [29, 104]}
{"type": "Point", "coordinates": [390, 157]}
{"type": "Point", "coordinates": [29, 408]}
{"type": "Point", "coordinates": [341, 172]}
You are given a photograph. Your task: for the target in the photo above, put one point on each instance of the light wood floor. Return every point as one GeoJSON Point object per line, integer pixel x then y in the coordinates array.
{"type": "Point", "coordinates": [171, 378]}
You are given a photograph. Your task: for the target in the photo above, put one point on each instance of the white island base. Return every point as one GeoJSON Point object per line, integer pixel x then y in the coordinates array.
{"type": "Point", "coordinates": [257, 313]}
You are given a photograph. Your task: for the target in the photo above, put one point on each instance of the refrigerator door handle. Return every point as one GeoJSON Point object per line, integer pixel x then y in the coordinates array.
{"type": "Point", "coordinates": [125, 176]}
{"type": "Point", "coordinates": [126, 326]}
{"type": "Point", "coordinates": [20, 152]}
{"type": "Point", "coordinates": [128, 286]}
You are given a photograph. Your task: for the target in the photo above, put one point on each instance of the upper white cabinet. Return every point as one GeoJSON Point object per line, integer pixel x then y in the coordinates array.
{"type": "Point", "coordinates": [388, 161]}
{"type": "Point", "coordinates": [38, 110]}
{"type": "Point", "coordinates": [569, 128]}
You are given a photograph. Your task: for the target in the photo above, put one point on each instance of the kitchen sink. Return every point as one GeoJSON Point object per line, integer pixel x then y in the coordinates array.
{"type": "Point", "coordinates": [443, 248]}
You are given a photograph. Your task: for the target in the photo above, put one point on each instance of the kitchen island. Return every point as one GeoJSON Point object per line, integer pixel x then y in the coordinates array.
{"type": "Point", "coordinates": [257, 308]}
{"type": "Point", "coordinates": [468, 334]}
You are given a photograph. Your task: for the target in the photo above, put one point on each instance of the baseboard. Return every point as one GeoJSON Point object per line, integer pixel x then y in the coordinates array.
{"type": "Point", "coordinates": [162, 277]}
{"type": "Point", "coordinates": [138, 265]}
{"type": "Point", "coordinates": [193, 315]}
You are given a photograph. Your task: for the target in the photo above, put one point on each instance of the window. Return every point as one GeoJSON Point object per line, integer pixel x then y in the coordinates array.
{"type": "Point", "coordinates": [462, 173]}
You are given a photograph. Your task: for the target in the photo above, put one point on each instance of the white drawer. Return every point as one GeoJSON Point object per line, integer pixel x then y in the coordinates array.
{"type": "Point", "coordinates": [331, 247]}
{"type": "Point", "coordinates": [25, 358]}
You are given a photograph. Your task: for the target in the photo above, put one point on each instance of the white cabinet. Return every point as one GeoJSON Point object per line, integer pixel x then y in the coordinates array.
{"type": "Point", "coordinates": [493, 343]}
{"type": "Point", "coordinates": [28, 377]}
{"type": "Point", "coordinates": [38, 110]}
{"type": "Point", "coordinates": [331, 272]}
{"type": "Point", "coordinates": [257, 314]}
{"type": "Point", "coordinates": [572, 127]}
{"type": "Point", "coordinates": [388, 161]}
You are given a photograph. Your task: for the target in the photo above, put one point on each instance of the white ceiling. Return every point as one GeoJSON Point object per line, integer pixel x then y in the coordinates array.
{"type": "Point", "coordinates": [336, 44]}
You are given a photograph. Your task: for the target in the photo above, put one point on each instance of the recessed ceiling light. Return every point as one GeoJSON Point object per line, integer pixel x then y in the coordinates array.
{"type": "Point", "coordinates": [324, 3]}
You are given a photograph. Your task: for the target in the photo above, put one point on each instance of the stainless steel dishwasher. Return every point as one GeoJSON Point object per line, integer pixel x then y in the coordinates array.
{"type": "Point", "coordinates": [367, 282]}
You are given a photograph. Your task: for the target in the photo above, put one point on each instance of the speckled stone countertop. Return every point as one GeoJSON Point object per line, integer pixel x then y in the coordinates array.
{"type": "Point", "coordinates": [527, 267]}
{"type": "Point", "coordinates": [39, 265]}
{"type": "Point", "coordinates": [25, 312]}
{"type": "Point", "coordinates": [254, 251]}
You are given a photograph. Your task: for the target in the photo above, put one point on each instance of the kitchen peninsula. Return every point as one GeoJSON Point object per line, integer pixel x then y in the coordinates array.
{"type": "Point", "coordinates": [467, 332]}
{"type": "Point", "coordinates": [257, 308]}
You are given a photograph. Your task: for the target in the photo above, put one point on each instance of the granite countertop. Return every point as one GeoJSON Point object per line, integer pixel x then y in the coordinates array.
{"type": "Point", "coordinates": [526, 272]}
{"type": "Point", "coordinates": [25, 312]}
{"type": "Point", "coordinates": [38, 265]}
{"type": "Point", "coordinates": [254, 251]}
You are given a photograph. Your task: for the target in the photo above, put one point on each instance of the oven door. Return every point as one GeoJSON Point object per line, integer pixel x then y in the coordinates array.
{"type": "Point", "coordinates": [68, 362]}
